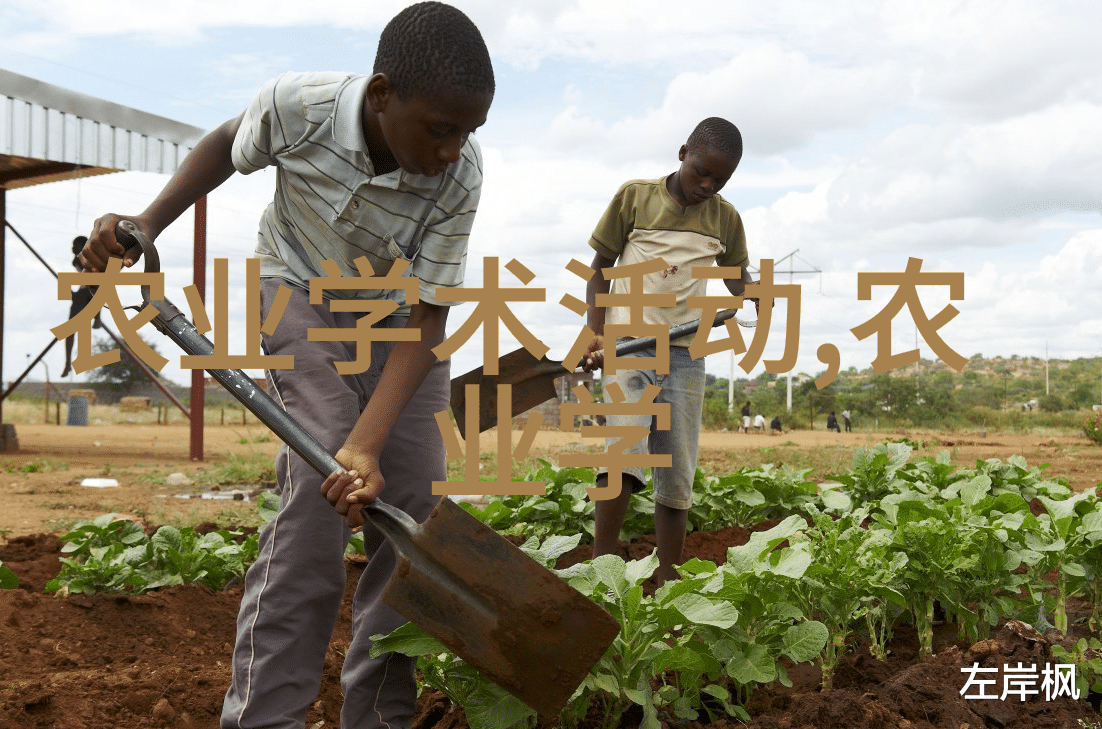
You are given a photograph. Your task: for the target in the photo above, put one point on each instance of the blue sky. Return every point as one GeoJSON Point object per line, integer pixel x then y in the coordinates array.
{"type": "Point", "coordinates": [962, 133]}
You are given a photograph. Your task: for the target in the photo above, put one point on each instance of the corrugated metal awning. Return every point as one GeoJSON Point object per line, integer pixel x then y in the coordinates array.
{"type": "Point", "coordinates": [49, 133]}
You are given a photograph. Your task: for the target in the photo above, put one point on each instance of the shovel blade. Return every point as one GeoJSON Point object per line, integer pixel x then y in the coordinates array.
{"type": "Point", "coordinates": [533, 382]}
{"type": "Point", "coordinates": [495, 607]}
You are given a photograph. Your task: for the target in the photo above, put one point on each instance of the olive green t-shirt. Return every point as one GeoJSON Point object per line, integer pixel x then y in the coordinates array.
{"type": "Point", "coordinates": [643, 222]}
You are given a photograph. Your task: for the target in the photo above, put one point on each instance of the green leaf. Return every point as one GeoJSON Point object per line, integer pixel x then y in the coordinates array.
{"type": "Point", "coordinates": [491, 707]}
{"type": "Point", "coordinates": [408, 639]}
{"type": "Point", "coordinates": [168, 537]}
{"type": "Point", "coordinates": [836, 500]}
{"type": "Point", "coordinates": [678, 658]}
{"type": "Point", "coordinates": [551, 549]}
{"type": "Point", "coordinates": [267, 504]}
{"type": "Point", "coordinates": [610, 570]}
{"type": "Point", "coordinates": [639, 570]}
{"type": "Point", "coordinates": [8, 579]}
{"type": "Point", "coordinates": [805, 641]}
{"type": "Point", "coordinates": [975, 489]}
{"type": "Point", "coordinates": [754, 665]}
{"type": "Point", "coordinates": [700, 610]}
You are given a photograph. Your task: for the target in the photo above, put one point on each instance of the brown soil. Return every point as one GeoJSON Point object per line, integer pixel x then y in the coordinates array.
{"type": "Point", "coordinates": [162, 659]}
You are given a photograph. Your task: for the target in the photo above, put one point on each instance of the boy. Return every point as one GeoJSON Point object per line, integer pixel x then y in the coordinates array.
{"type": "Point", "coordinates": [683, 220]}
{"type": "Point", "coordinates": [382, 166]}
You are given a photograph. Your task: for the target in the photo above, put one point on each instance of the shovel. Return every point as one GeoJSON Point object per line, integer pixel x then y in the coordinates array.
{"type": "Point", "coordinates": [495, 607]}
{"type": "Point", "coordinates": [533, 380]}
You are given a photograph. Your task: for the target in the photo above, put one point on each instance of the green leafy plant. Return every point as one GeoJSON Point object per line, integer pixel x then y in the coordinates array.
{"type": "Point", "coordinates": [936, 558]}
{"type": "Point", "coordinates": [1086, 656]}
{"type": "Point", "coordinates": [1092, 427]}
{"type": "Point", "coordinates": [1064, 540]}
{"type": "Point", "coordinates": [486, 705]}
{"type": "Point", "coordinates": [110, 555]}
{"type": "Point", "coordinates": [874, 473]}
{"type": "Point", "coordinates": [8, 579]}
{"type": "Point", "coordinates": [562, 509]}
{"type": "Point", "coordinates": [853, 573]}
{"type": "Point", "coordinates": [749, 495]}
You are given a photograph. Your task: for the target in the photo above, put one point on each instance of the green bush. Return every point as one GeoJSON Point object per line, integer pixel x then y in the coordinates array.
{"type": "Point", "coordinates": [1092, 427]}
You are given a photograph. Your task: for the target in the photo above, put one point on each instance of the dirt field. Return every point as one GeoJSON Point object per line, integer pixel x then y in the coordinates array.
{"type": "Point", "coordinates": [162, 659]}
{"type": "Point", "coordinates": [139, 458]}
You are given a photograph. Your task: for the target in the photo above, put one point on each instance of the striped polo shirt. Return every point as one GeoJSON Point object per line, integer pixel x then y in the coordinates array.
{"type": "Point", "coordinates": [643, 222]}
{"type": "Point", "coordinates": [328, 201]}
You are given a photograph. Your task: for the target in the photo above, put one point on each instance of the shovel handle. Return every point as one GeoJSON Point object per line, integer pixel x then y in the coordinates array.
{"type": "Point", "coordinates": [171, 322]}
{"type": "Point", "coordinates": [676, 332]}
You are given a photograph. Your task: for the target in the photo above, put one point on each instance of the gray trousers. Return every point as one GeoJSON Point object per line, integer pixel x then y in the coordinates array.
{"type": "Point", "coordinates": [293, 591]}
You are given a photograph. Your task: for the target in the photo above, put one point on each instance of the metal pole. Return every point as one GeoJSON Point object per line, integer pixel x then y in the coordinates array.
{"type": "Point", "coordinates": [198, 376]}
{"type": "Point", "coordinates": [731, 387]}
{"type": "Point", "coordinates": [46, 415]}
{"type": "Point", "coordinates": [15, 383]}
{"type": "Point", "coordinates": [31, 249]}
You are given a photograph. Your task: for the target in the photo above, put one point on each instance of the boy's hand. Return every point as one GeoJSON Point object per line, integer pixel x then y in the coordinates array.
{"type": "Point", "coordinates": [359, 484]}
{"type": "Point", "coordinates": [103, 245]}
{"type": "Point", "coordinates": [594, 357]}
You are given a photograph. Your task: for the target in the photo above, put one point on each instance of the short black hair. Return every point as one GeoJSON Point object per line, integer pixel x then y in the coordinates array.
{"type": "Point", "coordinates": [430, 46]}
{"type": "Point", "coordinates": [718, 134]}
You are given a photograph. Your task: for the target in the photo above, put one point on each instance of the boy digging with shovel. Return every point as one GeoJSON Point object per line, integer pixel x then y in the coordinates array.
{"type": "Point", "coordinates": [681, 219]}
{"type": "Point", "coordinates": [381, 166]}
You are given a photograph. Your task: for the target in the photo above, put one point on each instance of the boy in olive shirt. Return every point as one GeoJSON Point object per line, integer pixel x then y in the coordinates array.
{"type": "Point", "coordinates": [681, 219]}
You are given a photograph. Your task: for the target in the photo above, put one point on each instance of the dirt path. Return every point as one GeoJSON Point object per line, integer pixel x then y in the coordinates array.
{"type": "Point", "coordinates": [41, 491]}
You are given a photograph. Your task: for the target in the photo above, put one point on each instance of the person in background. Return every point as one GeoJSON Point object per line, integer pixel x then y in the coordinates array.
{"type": "Point", "coordinates": [759, 423]}
{"type": "Point", "coordinates": [775, 426]}
{"type": "Point", "coordinates": [845, 419]}
{"type": "Point", "coordinates": [832, 422]}
{"type": "Point", "coordinates": [81, 298]}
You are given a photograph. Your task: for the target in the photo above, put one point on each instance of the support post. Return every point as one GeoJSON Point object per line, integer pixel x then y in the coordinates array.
{"type": "Point", "coordinates": [198, 376]}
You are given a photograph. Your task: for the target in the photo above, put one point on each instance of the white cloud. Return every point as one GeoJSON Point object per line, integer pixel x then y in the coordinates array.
{"type": "Point", "coordinates": [959, 132]}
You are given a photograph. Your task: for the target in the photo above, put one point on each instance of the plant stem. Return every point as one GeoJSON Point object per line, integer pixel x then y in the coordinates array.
{"type": "Point", "coordinates": [1060, 619]}
{"type": "Point", "coordinates": [924, 622]}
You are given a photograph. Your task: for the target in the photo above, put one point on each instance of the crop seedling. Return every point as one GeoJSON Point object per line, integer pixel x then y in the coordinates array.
{"type": "Point", "coordinates": [1065, 540]}
{"type": "Point", "coordinates": [113, 555]}
{"type": "Point", "coordinates": [852, 571]}
{"type": "Point", "coordinates": [8, 579]}
{"type": "Point", "coordinates": [1086, 656]}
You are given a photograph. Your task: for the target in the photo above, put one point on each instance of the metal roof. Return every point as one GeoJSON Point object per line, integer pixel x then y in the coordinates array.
{"type": "Point", "coordinates": [49, 133]}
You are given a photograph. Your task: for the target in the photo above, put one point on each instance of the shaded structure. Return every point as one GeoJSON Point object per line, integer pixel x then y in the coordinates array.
{"type": "Point", "coordinates": [49, 133]}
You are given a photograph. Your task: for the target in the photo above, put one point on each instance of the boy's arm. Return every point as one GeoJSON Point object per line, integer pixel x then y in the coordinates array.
{"type": "Point", "coordinates": [597, 284]}
{"type": "Point", "coordinates": [737, 286]}
{"type": "Point", "coordinates": [402, 375]}
{"type": "Point", "coordinates": [207, 166]}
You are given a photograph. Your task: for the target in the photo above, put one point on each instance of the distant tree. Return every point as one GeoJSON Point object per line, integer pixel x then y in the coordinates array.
{"type": "Point", "coordinates": [123, 374]}
{"type": "Point", "coordinates": [1084, 395]}
{"type": "Point", "coordinates": [1051, 403]}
